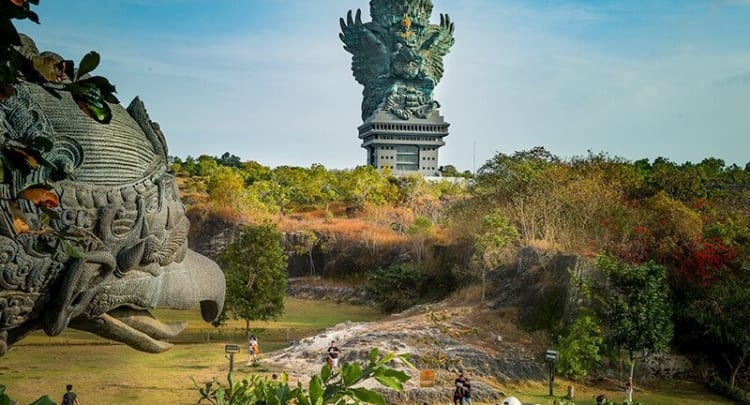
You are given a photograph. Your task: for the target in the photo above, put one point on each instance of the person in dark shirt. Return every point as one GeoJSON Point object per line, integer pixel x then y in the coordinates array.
{"type": "Point", "coordinates": [467, 392]}
{"type": "Point", "coordinates": [332, 357]}
{"type": "Point", "coordinates": [70, 397]}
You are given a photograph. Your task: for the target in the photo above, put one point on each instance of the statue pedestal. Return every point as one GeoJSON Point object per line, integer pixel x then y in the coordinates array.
{"type": "Point", "coordinates": [403, 146]}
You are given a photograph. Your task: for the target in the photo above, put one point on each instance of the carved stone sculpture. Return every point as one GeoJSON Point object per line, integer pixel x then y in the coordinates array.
{"type": "Point", "coordinates": [398, 57]}
{"type": "Point", "coordinates": [114, 247]}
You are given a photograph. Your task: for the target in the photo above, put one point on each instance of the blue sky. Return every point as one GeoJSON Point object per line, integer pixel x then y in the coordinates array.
{"type": "Point", "coordinates": [268, 80]}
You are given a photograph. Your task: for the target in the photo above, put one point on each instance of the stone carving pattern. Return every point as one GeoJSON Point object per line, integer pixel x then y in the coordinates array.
{"type": "Point", "coordinates": [125, 215]}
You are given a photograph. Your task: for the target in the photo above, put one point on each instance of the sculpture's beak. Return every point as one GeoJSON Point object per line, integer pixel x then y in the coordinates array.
{"type": "Point", "coordinates": [195, 280]}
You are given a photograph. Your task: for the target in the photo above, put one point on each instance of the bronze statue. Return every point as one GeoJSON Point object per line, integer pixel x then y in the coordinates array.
{"type": "Point", "coordinates": [398, 57]}
{"type": "Point", "coordinates": [112, 244]}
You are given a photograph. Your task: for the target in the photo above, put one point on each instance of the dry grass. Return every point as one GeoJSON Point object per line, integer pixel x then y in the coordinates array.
{"type": "Point", "coordinates": [351, 228]}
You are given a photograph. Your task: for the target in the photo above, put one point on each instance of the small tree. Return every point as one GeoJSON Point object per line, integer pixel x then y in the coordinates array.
{"type": "Point", "coordinates": [636, 308]}
{"type": "Point", "coordinates": [580, 348]}
{"type": "Point", "coordinates": [723, 316]}
{"type": "Point", "coordinates": [305, 245]}
{"type": "Point", "coordinates": [396, 287]}
{"type": "Point", "coordinates": [255, 268]}
{"type": "Point", "coordinates": [495, 234]}
{"type": "Point", "coordinates": [419, 231]}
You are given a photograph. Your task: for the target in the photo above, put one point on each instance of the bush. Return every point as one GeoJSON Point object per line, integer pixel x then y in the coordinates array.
{"type": "Point", "coordinates": [721, 387]}
{"type": "Point", "coordinates": [580, 348]}
{"type": "Point", "coordinates": [327, 387]}
{"type": "Point", "coordinates": [396, 287]}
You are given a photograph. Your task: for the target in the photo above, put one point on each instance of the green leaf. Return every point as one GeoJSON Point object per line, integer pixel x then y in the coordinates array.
{"type": "Point", "coordinates": [393, 373]}
{"type": "Point", "coordinates": [367, 396]}
{"type": "Point", "coordinates": [390, 382]}
{"type": "Point", "coordinates": [387, 358]}
{"type": "Point", "coordinates": [45, 400]}
{"type": "Point", "coordinates": [351, 373]}
{"type": "Point", "coordinates": [316, 388]}
{"type": "Point", "coordinates": [325, 372]}
{"type": "Point", "coordinates": [89, 62]}
{"type": "Point", "coordinates": [374, 355]}
{"type": "Point", "coordinates": [404, 358]}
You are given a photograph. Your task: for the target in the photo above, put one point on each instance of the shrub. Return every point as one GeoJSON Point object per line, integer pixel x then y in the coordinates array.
{"type": "Point", "coordinates": [396, 287]}
{"type": "Point", "coordinates": [327, 387]}
{"type": "Point", "coordinates": [580, 347]}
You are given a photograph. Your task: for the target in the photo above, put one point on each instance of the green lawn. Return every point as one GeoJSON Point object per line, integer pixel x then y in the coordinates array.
{"type": "Point", "coordinates": [666, 393]}
{"type": "Point", "coordinates": [105, 372]}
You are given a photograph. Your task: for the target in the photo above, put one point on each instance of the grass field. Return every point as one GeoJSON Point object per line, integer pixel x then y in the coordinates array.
{"type": "Point", "coordinates": [104, 372]}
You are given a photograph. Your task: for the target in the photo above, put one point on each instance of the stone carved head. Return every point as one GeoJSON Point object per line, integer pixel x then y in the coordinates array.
{"type": "Point", "coordinates": [117, 244]}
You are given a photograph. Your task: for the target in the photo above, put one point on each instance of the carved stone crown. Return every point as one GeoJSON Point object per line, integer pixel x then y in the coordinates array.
{"type": "Point", "coordinates": [389, 12]}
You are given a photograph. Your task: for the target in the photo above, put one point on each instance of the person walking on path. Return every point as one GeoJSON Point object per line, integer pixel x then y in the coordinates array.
{"type": "Point", "coordinates": [252, 349]}
{"type": "Point", "coordinates": [332, 356]}
{"type": "Point", "coordinates": [459, 392]}
{"type": "Point", "coordinates": [70, 397]}
{"type": "Point", "coordinates": [458, 395]}
{"type": "Point", "coordinates": [467, 392]}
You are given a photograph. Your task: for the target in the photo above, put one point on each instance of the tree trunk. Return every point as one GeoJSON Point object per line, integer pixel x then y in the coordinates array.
{"type": "Point", "coordinates": [484, 282]}
{"type": "Point", "coordinates": [735, 369]}
{"type": "Point", "coordinates": [632, 368]}
{"type": "Point", "coordinates": [247, 327]}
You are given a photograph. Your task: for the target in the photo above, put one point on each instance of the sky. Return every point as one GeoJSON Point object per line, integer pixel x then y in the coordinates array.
{"type": "Point", "coordinates": [268, 80]}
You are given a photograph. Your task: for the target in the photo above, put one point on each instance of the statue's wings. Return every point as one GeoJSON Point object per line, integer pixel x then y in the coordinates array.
{"type": "Point", "coordinates": [370, 55]}
{"type": "Point", "coordinates": [371, 58]}
{"type": "Point", "coordinates": [436, 46]}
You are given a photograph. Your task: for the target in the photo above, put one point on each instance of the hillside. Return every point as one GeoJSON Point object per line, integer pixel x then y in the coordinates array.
{"type": "Point", "coordinates": [676, 237]}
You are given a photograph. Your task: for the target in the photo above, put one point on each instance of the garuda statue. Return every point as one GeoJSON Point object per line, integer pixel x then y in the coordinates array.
{"type": "Point", "coordinates": [112, 244]}
{"type": "Point", "coordinates": [398, 57]}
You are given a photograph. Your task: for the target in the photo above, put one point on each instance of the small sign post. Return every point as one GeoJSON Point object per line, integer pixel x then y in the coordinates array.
{"type": "Point", "coordinates": [551, 357]}
{"type": "Point", "coordinates": [231, 350]}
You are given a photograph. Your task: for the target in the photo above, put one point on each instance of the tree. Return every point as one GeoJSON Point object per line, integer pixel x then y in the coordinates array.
{"type": "Point", "coordinates": [636, 307]}
{"type": "Point", "coordinates": [419, 231]}
{"type": "Point", "coordinates": [396, 287]}
{"type": "Point", "coordinates": [304, 245]}
{"type": "Point", "coordinates": [722, 316]}
{"type": "Point", "coordinates": [255, 268]}
{"type": "Point", "coordinates": [226, 188]}
{"type": "Point", "coordinates": [491, 241]}
{"type": "Point", "coordinates": [580, 348]}
{"type": "Point", "coordinates": [227, 159]}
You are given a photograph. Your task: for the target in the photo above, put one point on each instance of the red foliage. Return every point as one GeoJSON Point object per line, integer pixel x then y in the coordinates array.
{"type": "Point", "coordinates": [703, 263]}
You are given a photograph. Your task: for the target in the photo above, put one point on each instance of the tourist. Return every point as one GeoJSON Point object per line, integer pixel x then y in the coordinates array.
{"type": "Point", "coordinates": [332, 355]}
{"type": "Point", "coordinates": [459, 381]}
{"type": "Point", "coordinates": [467, 392]}
{"type": "Point", "coordinates": [458, 395]}
{"type": "Point", "coordinates": [252, 349]}
{"type": "Point", "coordinates": [70, 397]}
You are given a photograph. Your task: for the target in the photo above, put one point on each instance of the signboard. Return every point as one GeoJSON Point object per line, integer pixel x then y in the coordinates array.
{"type": "Point", "coordinates": [427, 378]}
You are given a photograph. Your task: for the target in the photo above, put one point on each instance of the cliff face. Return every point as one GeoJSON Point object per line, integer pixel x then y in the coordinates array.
{"type": "Point", "coordinates": [333, 255]}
